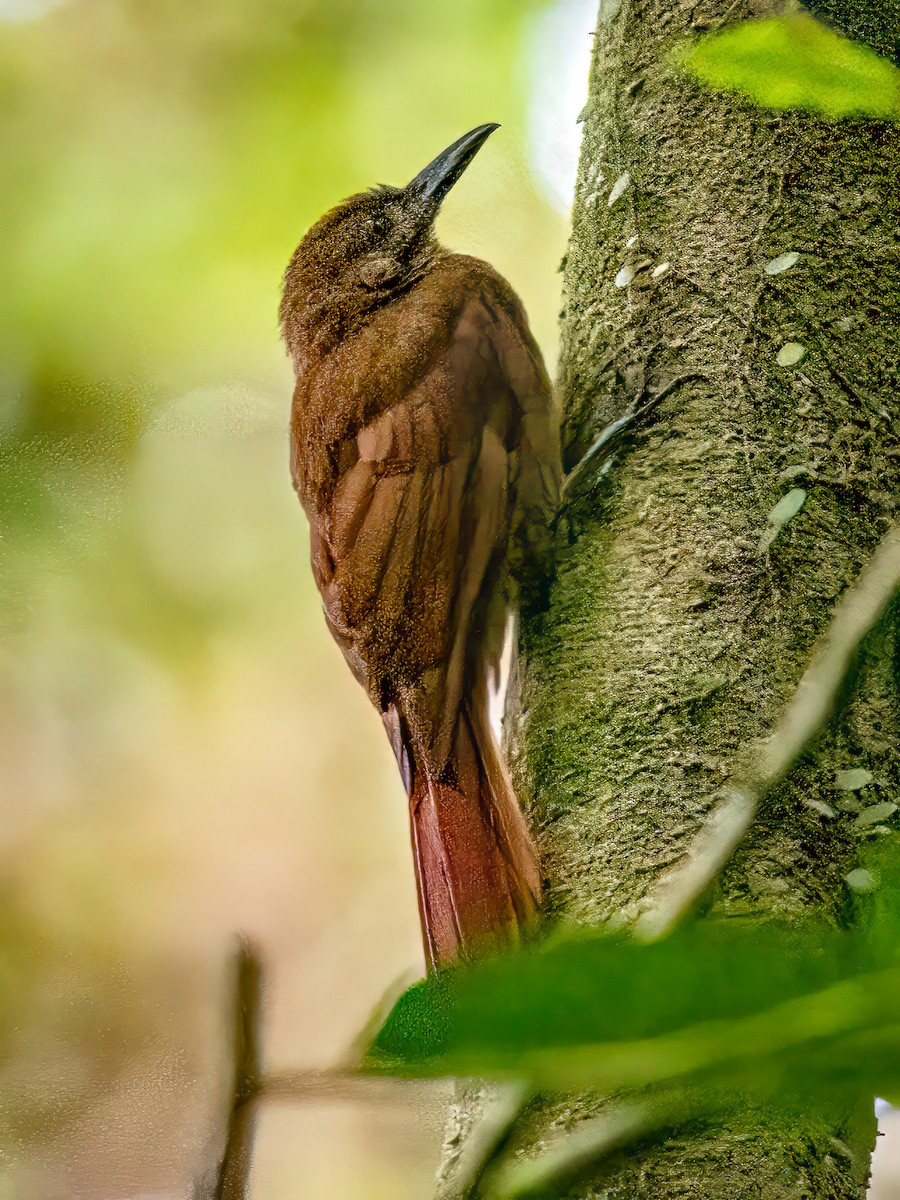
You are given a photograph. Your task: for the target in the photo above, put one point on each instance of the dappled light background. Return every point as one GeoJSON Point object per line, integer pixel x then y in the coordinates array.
{"type": "Point", "coordinates": [183, 753]}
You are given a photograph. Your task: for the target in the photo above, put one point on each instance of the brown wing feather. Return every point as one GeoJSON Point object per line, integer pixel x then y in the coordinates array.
{"type": "Point", "coordinates": [409, 542]}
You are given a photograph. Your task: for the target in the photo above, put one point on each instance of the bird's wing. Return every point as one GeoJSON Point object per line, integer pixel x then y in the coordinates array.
{"type": "Point", "coordinates": [537, 475]}
{"type": "Point", "coordinates": [409, 545]}
{"type": "Point", "coordinates": [412, 508]}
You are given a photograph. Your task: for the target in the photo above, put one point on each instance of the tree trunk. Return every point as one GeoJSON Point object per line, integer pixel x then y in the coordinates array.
{"type": "Point", "coordinates": [681, 617]}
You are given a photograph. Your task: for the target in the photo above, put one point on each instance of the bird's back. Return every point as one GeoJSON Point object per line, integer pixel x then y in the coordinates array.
{"type": "Point", "coordinates": [409, 441]}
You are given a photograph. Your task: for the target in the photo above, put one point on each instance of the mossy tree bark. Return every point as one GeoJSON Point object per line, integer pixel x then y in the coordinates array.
{"type": "Point", "coordinates": [680, 620]}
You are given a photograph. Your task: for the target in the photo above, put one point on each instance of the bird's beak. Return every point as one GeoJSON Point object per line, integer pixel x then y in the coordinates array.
{"type": "Point", "coordinates": [435, 181]}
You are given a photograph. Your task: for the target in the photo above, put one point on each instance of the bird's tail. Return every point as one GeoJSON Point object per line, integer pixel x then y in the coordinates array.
{"type": "Point", "coordinates": [476, 866]}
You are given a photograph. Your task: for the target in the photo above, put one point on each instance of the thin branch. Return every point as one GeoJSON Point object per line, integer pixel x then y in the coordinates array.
{"type": "Point", "coordinates": [338, 1086]}
{"type": "Point", "coordinates": [234, 1170]}
{"type": "Point", "coordinates": [473, 1172]}
{"type": "Point", "coordinates": [859, 611]}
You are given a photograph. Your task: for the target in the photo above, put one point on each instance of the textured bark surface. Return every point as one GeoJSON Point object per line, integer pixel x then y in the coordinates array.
{"type": "Point", "coordinates": [679, 621]}
{"type": "Point", "coordinates": [876, 25]}
{"type": "Point", "coordinates": [677, 633]}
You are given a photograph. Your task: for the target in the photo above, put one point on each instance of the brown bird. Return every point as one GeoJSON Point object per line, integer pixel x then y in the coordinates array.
{"type": "Point", "coordinates": [425, 451]}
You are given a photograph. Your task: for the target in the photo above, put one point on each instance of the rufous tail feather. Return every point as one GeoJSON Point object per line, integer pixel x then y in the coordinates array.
{"type": "Point", "coordinates": [476, 866]}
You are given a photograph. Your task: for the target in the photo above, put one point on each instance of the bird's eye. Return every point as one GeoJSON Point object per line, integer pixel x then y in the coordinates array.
{"type": "Point", "coordinates": [379, 226]}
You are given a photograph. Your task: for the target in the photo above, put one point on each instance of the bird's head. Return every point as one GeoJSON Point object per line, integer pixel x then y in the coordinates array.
{"type": "Point", "coordinates": [370, 247]}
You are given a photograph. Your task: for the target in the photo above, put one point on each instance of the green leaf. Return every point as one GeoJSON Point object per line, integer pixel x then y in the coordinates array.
{"type": "Point", "coordinates": [722, 1014]}
{"type": "Point", "coordinates": [717, 1004]}
{"type": "Point", "coordinates": [794, 62]}
{"type": "Point", "coordinates": [416, 1027]}
{"type": "Point", "coordinates": [600, 989]}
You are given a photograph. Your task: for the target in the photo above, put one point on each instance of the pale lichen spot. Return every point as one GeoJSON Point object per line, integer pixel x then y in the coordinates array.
{"type": "Point", "coordinates": [861, 881]}
{"type": "Point", "coordinates": [853, 780]}
{"type": "Point", "coordinates": [786, 508]}
{"type": "Point", "coordinates": [875, 814]}
{"type": "Point", "coordinates": [821, 807]}
{"type": "Point", "coordinates": [797, 471]}
{"type": "Point", "coordinates": [618, 188]}
{"type": "Point", "coordinates": [790, 354]}
{"type": "Point", "coordinates": [783, 262]}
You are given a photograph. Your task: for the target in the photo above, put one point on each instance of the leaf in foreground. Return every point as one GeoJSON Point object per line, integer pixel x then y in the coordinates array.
{"type": "Point", "coordinates": [717, 1002]}
{"type": "Point", "coordinates": [795, 62]}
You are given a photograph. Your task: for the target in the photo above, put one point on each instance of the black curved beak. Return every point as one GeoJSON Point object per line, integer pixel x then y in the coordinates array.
{"type": "Point", "coordinates": [435, 181]}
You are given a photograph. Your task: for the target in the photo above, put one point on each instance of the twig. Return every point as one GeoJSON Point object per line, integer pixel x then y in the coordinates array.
{"type": "Point", "coordinates": [234, 1170]}
{"type": "Point", "coordinates": [339, 1086]}
{"type": "Point", "coordinates": [485, 1145]}
{"type": "Point", "coordinates": [859, 610]}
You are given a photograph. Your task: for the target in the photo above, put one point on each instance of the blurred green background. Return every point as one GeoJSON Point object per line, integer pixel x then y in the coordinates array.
{"type": "Point", "coordinates": [182, 751]}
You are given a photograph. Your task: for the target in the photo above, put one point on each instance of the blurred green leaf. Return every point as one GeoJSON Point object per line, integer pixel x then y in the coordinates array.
{"type": "Point", "coordinates": [794, 62]}
{"type": "Point", "coordinates": [734, 1004]}
{"type": "Point", "coordinates": [602, 989]}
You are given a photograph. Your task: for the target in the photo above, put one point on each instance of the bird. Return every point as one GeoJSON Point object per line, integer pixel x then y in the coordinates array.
{"type": "Point", "coordinates": [425, 450]}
